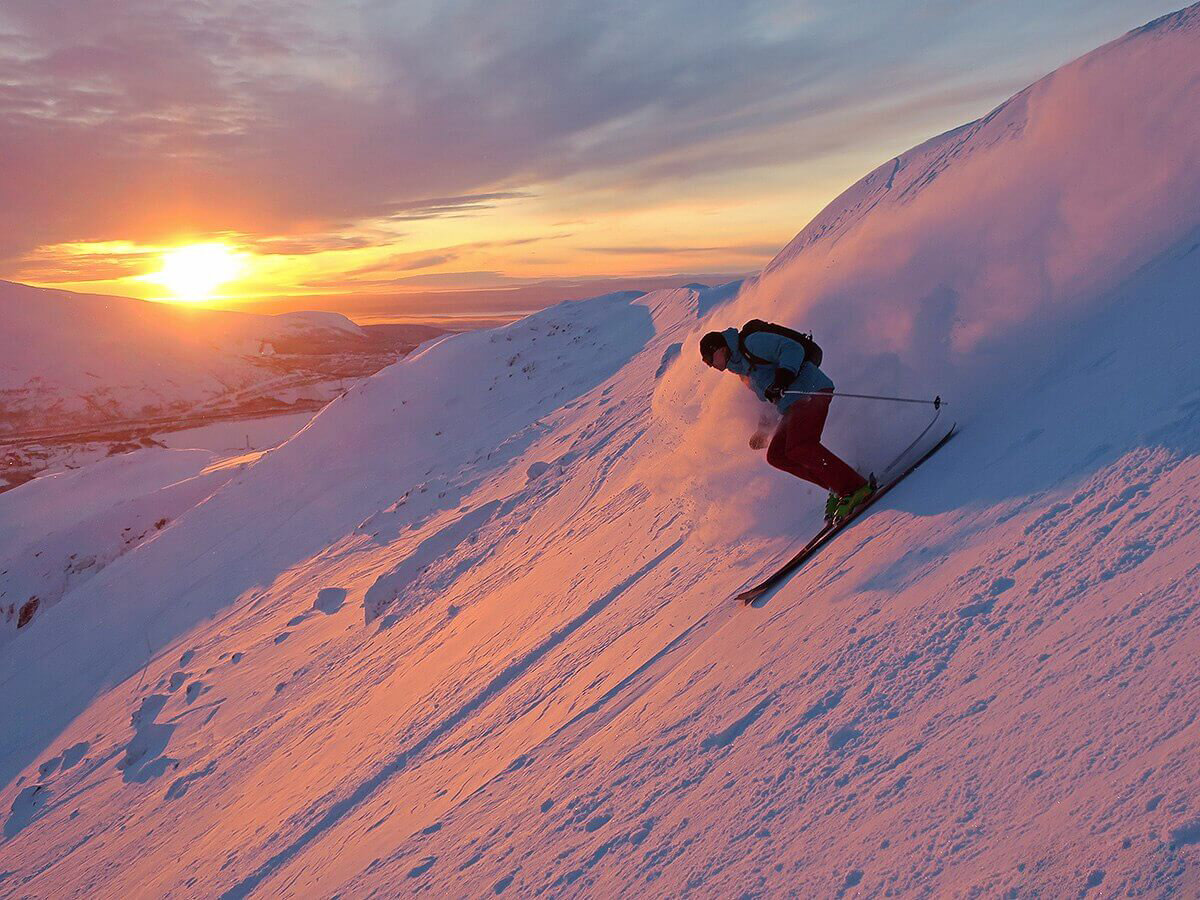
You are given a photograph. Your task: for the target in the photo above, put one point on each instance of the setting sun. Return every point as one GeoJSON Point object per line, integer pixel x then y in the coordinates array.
{"type": "Point", "coordinates": [192, 273]}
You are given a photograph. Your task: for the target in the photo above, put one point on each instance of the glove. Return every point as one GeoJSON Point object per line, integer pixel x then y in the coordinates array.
{"type": "Point", "coordinates": [759, 440]}
{"type": "Point", "coordinates": [783, 379]}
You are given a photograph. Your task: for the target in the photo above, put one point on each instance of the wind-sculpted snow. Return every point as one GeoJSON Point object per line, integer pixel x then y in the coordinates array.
{"type": "Point", "coordinates": [963, 267]}
{"type": "Point", "coordinates": [470, 632]}
{"type": "Point", "coordinates": [1001, 227]}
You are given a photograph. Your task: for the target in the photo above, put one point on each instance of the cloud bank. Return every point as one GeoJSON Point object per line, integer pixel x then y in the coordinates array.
{"type": "Point", "coordinates": [142, 119]}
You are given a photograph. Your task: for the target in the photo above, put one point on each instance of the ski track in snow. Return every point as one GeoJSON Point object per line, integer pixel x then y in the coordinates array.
{"type": "Point", "coordinates": [472, 631]}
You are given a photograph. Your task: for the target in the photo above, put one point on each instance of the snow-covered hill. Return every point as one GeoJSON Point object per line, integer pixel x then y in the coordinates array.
{"type": "Point", "coordinates": [73, 360]}
{"type": "Point", "coordinates": [62, 529]}
{"type": "Point", "coordinates": [470, 631]}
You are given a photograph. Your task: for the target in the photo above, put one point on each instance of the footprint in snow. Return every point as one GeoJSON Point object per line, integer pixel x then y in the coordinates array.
{"type": "Point", "coordinates": [1186, 833]}
{"type": "Point", "coordinates": [143, 758]}
{"type": "Point", "coordinates": [422, 867]}
{"type": "Point", "coordinates": [1000, 585]}
{"type": "Point", "coordinates": [330, 600]}
{"type": "Point", "coordinates": [66, 760]}
{"type": "Point", "coordinates": [851, 881]}
{"type": "Point", "coordinates": [500, 886]}
{"type": "Point", "coordinates": [840, 737]}
{"type": "Point", "coordinates": [180, 786]}
{"type": "Point", "coordinates": [667, 358]}
{"type": "Point", "coordinates": [25, 808]}
{"type": "Point", "coordinates": [981, 607]}
{"type": "Point", "coordinates": [597, 822]}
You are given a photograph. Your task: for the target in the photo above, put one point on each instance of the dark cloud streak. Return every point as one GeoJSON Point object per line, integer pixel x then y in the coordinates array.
{"type": "Point", "coordinates": [762, 250]}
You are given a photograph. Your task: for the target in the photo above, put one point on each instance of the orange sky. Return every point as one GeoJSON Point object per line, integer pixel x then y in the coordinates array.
{"type": "Point", "coordinates": [344, 156]}
{"type": "Point", "coordinates": [726, 226]}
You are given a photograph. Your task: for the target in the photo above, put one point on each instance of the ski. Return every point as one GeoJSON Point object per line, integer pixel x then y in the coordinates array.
{"type": "Point", "coordinates": [826, 534]}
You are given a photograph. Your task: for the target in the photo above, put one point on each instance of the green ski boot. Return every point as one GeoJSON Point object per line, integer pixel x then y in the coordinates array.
{"type": "Point", "coordinates": [831, 506]}
{"type": "Point", "coordinates": [847, 505]}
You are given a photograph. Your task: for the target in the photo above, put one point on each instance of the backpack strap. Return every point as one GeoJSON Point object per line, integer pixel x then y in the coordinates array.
{"type": "Point", "coordinates": [757, 360]}
{"type": "Point", "coordinates": [812, 350]}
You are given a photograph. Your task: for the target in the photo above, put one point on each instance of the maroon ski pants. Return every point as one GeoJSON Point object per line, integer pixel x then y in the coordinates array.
{"type": "Point", "coordinates": [796, 447]}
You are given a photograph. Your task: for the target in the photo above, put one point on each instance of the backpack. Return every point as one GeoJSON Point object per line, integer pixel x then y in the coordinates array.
{"type": "Point", "coordinates": [812, 351]}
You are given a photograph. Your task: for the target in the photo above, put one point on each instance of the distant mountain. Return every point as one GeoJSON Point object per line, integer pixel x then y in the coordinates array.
{"type": "Point", "coordinates": [72, 360]}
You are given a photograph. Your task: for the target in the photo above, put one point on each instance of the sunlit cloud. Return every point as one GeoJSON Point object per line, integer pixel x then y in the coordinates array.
{"type": "Point", "coordinates": [85, 262]}
{"type": "Point", "coordinates": [765, 251]}
{"type": "Point", "coordinates": [322, 137]}
{"type": "Point", "coordinates": [307, 245]}
{"type": "Point", "coordinates": [439, 207]}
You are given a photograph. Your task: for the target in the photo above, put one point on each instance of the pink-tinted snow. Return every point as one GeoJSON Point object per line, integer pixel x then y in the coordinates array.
{"type": "Point", "coordinates": [470, 631]}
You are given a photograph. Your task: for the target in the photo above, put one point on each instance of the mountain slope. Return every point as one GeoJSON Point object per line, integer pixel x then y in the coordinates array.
{"type": "Point", "coordinates": [62, 529]}
{"type": "Point", "coordinates": [470, 630]}
{"type": "Point", "coordinates": [72, 360]}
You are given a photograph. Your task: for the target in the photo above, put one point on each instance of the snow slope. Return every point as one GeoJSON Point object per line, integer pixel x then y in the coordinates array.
{"type": "Point", "coordinates": [69, 360]}
{"type": "Point", "coordinates": [469, 632]}
{"type": "Point", "coordinates": [59, 530]}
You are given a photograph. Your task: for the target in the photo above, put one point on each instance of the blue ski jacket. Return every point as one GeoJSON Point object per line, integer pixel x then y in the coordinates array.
{"type": "Point", "coordinates": [780, 353]}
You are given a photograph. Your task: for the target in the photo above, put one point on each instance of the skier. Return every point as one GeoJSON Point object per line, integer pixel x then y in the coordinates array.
{"type": "Point", "coordinates": [773, 360]}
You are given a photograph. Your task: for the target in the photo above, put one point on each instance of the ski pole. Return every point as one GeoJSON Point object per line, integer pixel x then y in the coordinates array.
{"type": "Point", "coordinates": [936, 402]}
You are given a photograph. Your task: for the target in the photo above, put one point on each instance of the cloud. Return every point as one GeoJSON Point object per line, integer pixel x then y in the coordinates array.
{"type": "Point", "coordinates": [765, 251]}
{"type": "Point", "coordinates": [57, 266]}
{"type": "Point", "coordinates": [307, 245]}
{"type": "Point", "coordinates": [148, 119]}
{"type": "Point", "coordinates": [354, 278]}
{"type": "Point", "coordinates": [388, 271]}
{"type": "Point", "coordinates": [428, 262]}
{"type": "Point", "coordinates": [439, 207]}
{"type": "Point", "coordinates": [465, 279]}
